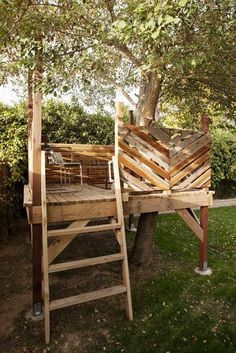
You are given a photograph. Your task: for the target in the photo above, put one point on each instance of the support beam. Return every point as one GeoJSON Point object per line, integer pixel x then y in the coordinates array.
{"type": "Point", "coordinates": [204, 243]}
{"type": "Point", "coordinates": [35, 172]}
{"type": "Point", "coordinates": [191, 222]}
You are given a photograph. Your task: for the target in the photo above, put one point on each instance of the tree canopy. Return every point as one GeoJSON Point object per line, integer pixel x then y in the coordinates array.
{"type": "Point", "coordinates": [176, 51]}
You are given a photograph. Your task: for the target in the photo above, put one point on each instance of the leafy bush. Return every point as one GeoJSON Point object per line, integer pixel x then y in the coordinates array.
{"type": "Point", "coordinates": [13, 151]}
{"type": "Point", "coordinates": [63, 123]}
{"type": "Point", "coordinates": [223, 156]}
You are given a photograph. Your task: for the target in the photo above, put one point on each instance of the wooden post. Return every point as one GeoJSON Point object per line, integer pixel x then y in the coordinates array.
{"type": "Point", "coordinates": [36, 186]}
{"type": "Point", "coordinates": [131, 117]}
{"type": "Point", "coordinates": [30, 121]}
{"type": "Point", "coordinates": [204, 123]}
{"type": "Point", "coordinates": [118, 121]}
{"type": "Point", "coordinates": [204, 243]}
{"type": "Point", "coordinates": [131, 217]}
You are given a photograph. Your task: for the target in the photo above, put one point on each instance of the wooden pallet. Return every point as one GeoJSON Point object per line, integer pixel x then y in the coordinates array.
{"type": "Point", "coordinates": [164, 159]}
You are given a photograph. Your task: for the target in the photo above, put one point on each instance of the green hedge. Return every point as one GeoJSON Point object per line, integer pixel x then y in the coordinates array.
{"type": "Point", "coordinates": [69, 123]}
{"type": "Point", "coordinates": [223, 156]}
{"type": "Point", "coordinates": [62, 122]}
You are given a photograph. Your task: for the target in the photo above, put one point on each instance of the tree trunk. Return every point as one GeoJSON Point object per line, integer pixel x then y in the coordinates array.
{"type": "Point", "coordinates": [148, 99]}
{"type": "Point", "coordinates": [143, 246]}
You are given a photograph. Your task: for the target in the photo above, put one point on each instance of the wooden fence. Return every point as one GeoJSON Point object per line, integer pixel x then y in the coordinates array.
{"type": "Point", "coordinates": [164, 159]}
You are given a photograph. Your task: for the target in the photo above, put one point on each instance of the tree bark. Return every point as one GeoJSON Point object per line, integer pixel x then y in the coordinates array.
{"type": "Point", "coordinates": [148, 99]}
{"type": "Point", "coordinates": [143, 246]}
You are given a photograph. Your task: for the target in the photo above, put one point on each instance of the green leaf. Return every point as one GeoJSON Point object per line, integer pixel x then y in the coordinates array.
{"type": "Point", "coordinates": [182, 3]}
{"type": "Point", "coordinates": [156, 33]}
{"type": "Point", "coordinates": [120, 24]}
{"type": "Point", "coordinates": [171, 19]}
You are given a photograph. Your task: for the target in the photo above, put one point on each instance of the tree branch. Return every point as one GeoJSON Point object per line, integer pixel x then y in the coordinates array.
{"type": "Point", "coordinates": [126, 51]}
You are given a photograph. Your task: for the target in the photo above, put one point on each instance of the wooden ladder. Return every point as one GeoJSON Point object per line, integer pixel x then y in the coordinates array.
{"type": "Point", "coordinates": [117, 225]}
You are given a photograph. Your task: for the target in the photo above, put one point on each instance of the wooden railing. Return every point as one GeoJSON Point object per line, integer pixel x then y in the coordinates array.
{"type": "Point", "coordinates": [93, 158]}
{"type": "Point", "coordinates": [164, 159]}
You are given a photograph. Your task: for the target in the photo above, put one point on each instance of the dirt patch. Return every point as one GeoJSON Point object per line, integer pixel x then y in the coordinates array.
{"type": "Point", "coordinates": [74, 329]}
{"type": "Point", "coordinates": [10, 309]}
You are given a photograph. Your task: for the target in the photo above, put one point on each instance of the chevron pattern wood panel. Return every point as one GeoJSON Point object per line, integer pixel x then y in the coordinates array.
{"type": "Point", "coordinates": [164, 159]}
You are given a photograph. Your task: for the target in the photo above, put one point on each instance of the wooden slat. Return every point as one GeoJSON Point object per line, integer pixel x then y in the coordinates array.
{"type": "Point", "coordinates": [144, 172]}
{"type": "Point", "coordinates": [81, 230]}
{"type": "Point", "coordinates": [188, 152]}
{"type": "Point", "coordinates": [184, 143]}
{"type": "Point", "coordinates": [177, 168]}
{"type": "Point", "coordinates": [159, 135]}
{"type": "Point", "coordinates": [202, 179]}
{"type": "Point", "coordinates": [190, 168]}
{"type": "Point", "coordinates": [83, 298]}
{"type": "Point", "coordinates": [27, 196]}
{"type": "Point", "coordinates": [145, 148]}
{"type": "Point", "coordinates": [190, 181]}
{"type": "Point", "coordinates": [135, 181]}
{"type": "Point", "coordinates": [191, 222]}
{"type": "Point", "coordinates": [135, 153]}
{"type": "Point", "coordinates": [71, 265]}
{"type": "Point", "coordinates": [148, 139]}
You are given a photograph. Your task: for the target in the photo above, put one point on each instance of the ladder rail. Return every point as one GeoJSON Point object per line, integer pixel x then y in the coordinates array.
{"type": "Point", "coordinates": [121, 235]}
{"type": "Point", "coordinates": [45, 248]}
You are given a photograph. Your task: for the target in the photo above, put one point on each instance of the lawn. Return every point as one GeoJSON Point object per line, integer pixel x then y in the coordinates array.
{"type": "Point", "coordinates": [175, 310]}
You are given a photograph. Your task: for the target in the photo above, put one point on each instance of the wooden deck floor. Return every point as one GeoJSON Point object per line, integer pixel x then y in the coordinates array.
{"type": "Point", "coordinates": [73, 193]}
{"type": "Point", "coordinates": [70, 202]}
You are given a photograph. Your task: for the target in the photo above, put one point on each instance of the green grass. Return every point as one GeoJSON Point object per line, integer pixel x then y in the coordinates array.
{"type": "Point", "coordinates": [178, 310]}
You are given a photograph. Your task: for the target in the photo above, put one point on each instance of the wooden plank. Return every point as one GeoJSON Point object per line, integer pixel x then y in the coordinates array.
{"type": "Point", "coordinates": [140, 132]}
{"type": "Point", "coordinates": [143, 171]}
{"type": "Point", "coordinates": [136, 204]}
{"type": "Point", "coordinates": [139, 204]}
{"type": "Point", "coordinates": [178, 136]}
{"type": "Point", "coordinates": [201, 180]}
{"type": "Point", "coordinates": [177, 168]}
{"type": "Point", "coordinates": [144, 148]}
{"type": "Point", "coordinates": [135, 181]}
{"type": "Point", "coordinates": [45, 251]}
{"type": "Point", "coordinates": [27, 202]}
{"type": "Point", "coordinates": [182, 144]}
{"type": "Point", "coordinates": [159, 134]}
{"type": "Point", "coordinates": [135, 153]}
{"type": "Point", "coordinates": [74, 211]}
{"type": "Point", "coordinates": [120, 234]}
{"type": "Point", "coordinates": [86, 297]}
{"type": "Point", "coordinates": [81, 230]}
{"type": "Point", "coordinates": [188, 152]}
{"type": "Point", "coordinates": [56, 247]}
{"type": "Point", "coordinates": [71, 265]}
{"type": "Point", "coordinates": [191, 181]}
{"type": "Point", "coordinates": [191, 222]}
{"type": "Point", "coordinates": [190, 168]}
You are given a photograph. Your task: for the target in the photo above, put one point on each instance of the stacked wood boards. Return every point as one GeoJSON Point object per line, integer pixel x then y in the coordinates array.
{"type": "Point", "coordinates": [164, 159]}
{"type": "Point", "coordinates": [94, 160]}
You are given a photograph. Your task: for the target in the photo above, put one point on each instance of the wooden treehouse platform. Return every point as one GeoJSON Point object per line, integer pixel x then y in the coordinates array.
{"type": "Point", "coordinates": [68, 202]}
{"type": "Point", "coordinates": [147, 170]}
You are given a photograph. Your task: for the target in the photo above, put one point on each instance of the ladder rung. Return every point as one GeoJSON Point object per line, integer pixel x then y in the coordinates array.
{"type": "Point", "coordinates": [89, 229]}
{"type": "Point", "coordinates": [86, 297]}
{"type": "Point", "coordinates": [85, 262]}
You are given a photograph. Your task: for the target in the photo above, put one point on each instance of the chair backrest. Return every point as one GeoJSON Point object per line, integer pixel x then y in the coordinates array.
{"type": "Point", "coordinates": [57, 157]}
